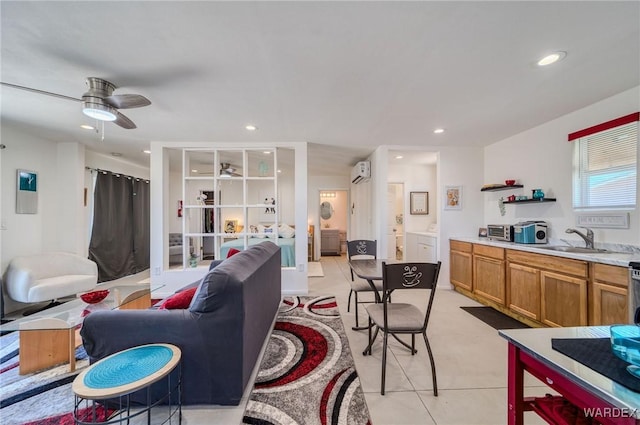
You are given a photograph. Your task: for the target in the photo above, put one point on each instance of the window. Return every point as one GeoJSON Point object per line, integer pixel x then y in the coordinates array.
{"type": "Point", "coordinates": [605, 165]}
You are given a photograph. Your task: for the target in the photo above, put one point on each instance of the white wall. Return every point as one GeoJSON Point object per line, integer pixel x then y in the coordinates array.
{"type": "Point", "coordinates": [417, 178]}
{"type": "Point", "coordinates": [338, 203]}
{"type": "Point", "coordinates": [542, 158]}
{"type": "Point", "coordinates": [27, 234]}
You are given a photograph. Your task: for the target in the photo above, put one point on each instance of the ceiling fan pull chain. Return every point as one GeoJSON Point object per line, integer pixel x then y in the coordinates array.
{"type": "Point", "coordinates": [102, 138]}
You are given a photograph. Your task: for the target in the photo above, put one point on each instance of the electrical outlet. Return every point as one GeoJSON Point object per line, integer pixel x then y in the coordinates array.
{"type": "Point", "coordinates": [301, 267]}
{"type": "Point", "coordinates": [3, 224]}
{"type": "Point", "coordinates": [156, 271]}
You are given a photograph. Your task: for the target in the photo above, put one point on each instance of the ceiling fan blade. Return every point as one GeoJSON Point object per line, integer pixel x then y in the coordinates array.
{"type": "Point", "coordinates": [124, 122]}
{"type": "Point", "coordinates": [61, 96]}
{"type": "Point", "coordinates": [125, 101]}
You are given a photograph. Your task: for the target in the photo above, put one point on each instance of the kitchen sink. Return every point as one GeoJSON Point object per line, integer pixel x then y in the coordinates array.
{"type": "Point", "coordinates": [577, 249]}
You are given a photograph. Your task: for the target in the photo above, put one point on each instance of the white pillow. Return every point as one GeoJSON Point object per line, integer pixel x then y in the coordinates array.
{"type": "Point", "coordinates": [270, 231]}
{"type": "Point", "coordinates": [267, 230]}
{"type": "Point", "coordinates": [286, 231]}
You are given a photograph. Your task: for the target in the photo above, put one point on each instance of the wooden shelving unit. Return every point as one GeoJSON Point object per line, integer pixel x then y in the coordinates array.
{"type": "Point", "coordinates": [530, 201]}
{"type": "Point", "coordinates": [503, 187]}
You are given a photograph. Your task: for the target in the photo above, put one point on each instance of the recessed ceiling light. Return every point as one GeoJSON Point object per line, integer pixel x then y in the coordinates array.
{"type": "Point", "coordinates": [116, 154]}
{"type": "Point", "coordinates": [399, 156]}
{"type": "Point", "coordinates": [147, 151]}
{"type": "Point", "coordinates": [438, 130]}
{"type": "Point", "coordinates": [552, 58]}
{"type": "Point", "coordinates": [87, 127]}
{"type": "Point", "coordinates": [251, 127]}
{"type": "Point", "coordinates": [267, 152]}
{"type": "Point", "coordinates": [194, 171]}
{"type": "Point", "coordinates": [279, 171]}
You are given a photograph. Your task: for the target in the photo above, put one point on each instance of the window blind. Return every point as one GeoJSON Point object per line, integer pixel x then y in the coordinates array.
{"type": "Point", "coordinates": [605, 168]}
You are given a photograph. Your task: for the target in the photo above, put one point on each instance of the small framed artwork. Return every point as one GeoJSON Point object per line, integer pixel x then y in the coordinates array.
{"type": "Point", "coordinates": [453, 198]}
{"type": "Point", "coordinates": [482, 232]}
{"type": "Point", "coordinates": [419, 203]}
{"type": "Point", "coordinates": [230, 226]}
{"type": "Point", "coordinates": [27, 192]}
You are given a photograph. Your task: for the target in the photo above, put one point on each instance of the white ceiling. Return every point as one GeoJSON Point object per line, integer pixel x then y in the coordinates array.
{"type": "Point", "coordinates": [344, 76]}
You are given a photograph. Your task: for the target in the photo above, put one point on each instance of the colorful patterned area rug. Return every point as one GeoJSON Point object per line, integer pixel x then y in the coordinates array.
{"type": "Point", "coordinates": [307, 375]}
{"type": "Point", "coordinates": [43, 398]}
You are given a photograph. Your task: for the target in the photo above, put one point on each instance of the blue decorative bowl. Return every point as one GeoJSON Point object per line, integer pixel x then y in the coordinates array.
{"type": "Point", "coordinates": [625, 343]}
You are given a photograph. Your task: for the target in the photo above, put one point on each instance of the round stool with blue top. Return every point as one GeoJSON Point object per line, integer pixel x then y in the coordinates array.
{"type": "Point", "coordinates": [117, 376]}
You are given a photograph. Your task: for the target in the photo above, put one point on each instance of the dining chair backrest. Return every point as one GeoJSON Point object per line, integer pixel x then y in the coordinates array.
{"type": "Point", "coordinates": [362, 247]}
{"type": "Point", "coordinates": [401, 276]}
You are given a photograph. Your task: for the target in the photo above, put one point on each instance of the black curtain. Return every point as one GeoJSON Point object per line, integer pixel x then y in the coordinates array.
{"type": "Point", "coordinates": [120, 222]}
{"type": "Point", "coordinates": [141, 224]}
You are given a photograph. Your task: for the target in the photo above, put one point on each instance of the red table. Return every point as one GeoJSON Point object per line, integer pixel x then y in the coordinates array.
{"type": "Point", "coordinates": [530, 350]}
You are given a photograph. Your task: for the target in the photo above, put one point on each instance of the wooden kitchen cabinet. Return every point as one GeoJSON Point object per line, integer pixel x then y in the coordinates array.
{"type": "Point", "coordinates": [608, 295]}
{"type": "Point", "coordinates": [489, 273]}
{"type": "Point", "coordinates": [564, 299]}
{"type": "Point", "coordinates": [461, 264]}
{"type": "Point", "coordinates": [551, 290]}
{"type": "Point", "coordinates": [523, 290]}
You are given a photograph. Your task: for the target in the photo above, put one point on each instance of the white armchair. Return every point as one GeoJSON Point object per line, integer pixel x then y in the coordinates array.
{"type": "Point", "coordinates": [48, 276]}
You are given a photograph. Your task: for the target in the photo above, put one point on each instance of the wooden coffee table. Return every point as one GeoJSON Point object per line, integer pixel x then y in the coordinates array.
{"type": "Point", "coordinates": [50, 337]}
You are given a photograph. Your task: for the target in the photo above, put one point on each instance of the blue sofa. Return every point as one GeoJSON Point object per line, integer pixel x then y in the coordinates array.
{"type": "Point", "coordinates": [221, 333]}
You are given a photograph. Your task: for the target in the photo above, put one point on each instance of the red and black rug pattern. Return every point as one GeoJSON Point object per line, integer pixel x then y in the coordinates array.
{"type": "Point", "coordinates": [307, 375]}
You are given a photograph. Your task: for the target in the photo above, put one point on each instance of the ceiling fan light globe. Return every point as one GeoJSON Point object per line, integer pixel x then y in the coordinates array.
{"type": "Point", "coordinates": [99, 112]}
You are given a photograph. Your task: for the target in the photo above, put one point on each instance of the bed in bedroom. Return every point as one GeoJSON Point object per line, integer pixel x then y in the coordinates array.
{"type": "Point", "coordinates": [287, 248]}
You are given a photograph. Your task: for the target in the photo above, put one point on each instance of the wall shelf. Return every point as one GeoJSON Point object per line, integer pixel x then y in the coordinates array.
{"type": "Point", "coordinates": [502, 187]}
{"type": "Point", "coordinates": [530, 201]}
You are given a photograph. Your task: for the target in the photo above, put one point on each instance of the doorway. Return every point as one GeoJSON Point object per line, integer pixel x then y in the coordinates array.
{"type": "Point", "coordinates": [333, 221]}
{"type": "Point", "coordinates": [395, 221]}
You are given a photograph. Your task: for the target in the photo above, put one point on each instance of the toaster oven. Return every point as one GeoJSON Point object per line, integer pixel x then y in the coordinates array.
{"type": "Point", "coordinates": [500, 232]}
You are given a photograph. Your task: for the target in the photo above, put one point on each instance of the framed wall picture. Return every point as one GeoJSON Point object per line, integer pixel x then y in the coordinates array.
{"type": "Point", "coordinates": [26, 192]}
{"type": "Point", "coordinates": [419, 203]}
{"type": "Point", "coordinates": [230, 226]}
{"type": "Point", "coordinates": [453, 198]}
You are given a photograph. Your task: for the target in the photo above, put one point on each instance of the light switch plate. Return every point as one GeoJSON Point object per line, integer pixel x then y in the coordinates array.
{"type": "Point", "coordinates": [603, 220]}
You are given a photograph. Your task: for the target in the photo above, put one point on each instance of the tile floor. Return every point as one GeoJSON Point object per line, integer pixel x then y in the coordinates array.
{"type": "Point", "coordinates": [470, 356]}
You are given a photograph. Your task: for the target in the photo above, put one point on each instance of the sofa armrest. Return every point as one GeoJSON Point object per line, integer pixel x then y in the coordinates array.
{"type": "Point", "coordinates": [106, 332]}
{"type": "Point", "coordinates": [211, 345]}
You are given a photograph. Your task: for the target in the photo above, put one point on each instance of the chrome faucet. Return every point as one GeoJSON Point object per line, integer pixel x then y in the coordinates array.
{"type": "Point", "coordinates": [588, 238]}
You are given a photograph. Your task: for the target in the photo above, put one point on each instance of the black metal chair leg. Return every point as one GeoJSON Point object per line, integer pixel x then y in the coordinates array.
{"type": "Point", "coordinates": [356, 308]}
{"type": "Point", "coordinates": [433, 365]}
{"type": "Point", "coordinates": [349, 301]}
{"type": "Point", "coordinates": [384, 361]}
{"type": "Point", "coordinates": [371, 339]}
{"type": "Point", "coordinates": [413, 344]}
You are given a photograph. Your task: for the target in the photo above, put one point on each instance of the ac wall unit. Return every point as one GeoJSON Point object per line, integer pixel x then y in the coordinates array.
{"type": "Point", "coordinates": [361, 172]}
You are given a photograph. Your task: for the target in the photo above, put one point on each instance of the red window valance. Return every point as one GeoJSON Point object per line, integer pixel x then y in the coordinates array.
{"type": "Point", "coordinates": [605, 126]}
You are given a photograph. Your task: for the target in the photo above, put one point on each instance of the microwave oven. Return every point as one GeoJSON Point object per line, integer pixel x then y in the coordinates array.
{"type": "Point", "coordinates": [500, 232]}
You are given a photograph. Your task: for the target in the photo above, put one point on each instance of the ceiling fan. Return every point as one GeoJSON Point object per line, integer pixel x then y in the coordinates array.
{"type": "Point", "coordinates": [226, 170]}
{"type": "Point", "coordinates": [99, 102]}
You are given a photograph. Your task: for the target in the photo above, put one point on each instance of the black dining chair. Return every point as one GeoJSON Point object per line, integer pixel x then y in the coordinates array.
{"type": "Point", "coordinates": [403, 318]}
{"type": "Point", "coordinates": [361, 249]}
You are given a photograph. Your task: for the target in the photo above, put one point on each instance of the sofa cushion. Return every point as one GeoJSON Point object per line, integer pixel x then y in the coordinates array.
{"type": "Point", "coordinates": [179, 300]}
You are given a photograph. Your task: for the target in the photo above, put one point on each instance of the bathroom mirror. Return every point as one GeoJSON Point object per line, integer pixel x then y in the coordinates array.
{"type": "Point", "coordinates": [326, 210]}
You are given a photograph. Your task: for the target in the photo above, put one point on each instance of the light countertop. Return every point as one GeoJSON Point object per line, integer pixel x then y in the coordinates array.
{"type": "Point", "coordinates": [613, 258]}
{"type": "Point", "coordinates": [433, 234]}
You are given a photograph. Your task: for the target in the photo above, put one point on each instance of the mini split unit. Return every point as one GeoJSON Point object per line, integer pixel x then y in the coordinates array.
{"type": "Point", "coordinates": [361, 172]}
